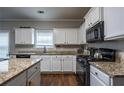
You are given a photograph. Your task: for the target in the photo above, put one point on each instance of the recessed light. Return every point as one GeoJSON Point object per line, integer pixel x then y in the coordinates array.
{"type": "Point", "coordinates": [40, 12]}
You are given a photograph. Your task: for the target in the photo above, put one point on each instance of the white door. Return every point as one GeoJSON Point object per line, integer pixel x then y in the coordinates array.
{"type": "Point", "coordinates": [59, 36]}
{"type": "Point", "coordinates": [46, 63]}
{"type": "Point", "coordinates": [56, 63]}
{"type": "Point", "coordinates": [74, 63]}
{"type": "Point", "coordinates": [82, 34]}
{"type": "Point", "coordinates": [72, 36]}
{"type": "Point", "coordinates": [95, 15]}
{"type": "Point", "coordinates": [67, 63]}
{"type": "Point", "coordinates": [88, 20]}
{"type": "Point", "coordinates": [24, 36]}
{"type": "Point", "coordinates": [113, 20]}
{"type": "Point", "coordinates": [18, 36]}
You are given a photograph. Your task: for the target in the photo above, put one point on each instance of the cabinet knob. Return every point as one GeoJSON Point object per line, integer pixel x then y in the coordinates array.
{"type": "Point", "coordinates": [96, 73]}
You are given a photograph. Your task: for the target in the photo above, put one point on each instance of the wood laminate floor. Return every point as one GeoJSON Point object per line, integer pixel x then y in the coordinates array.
{"type": "Point", "coordinates": [59, 80]}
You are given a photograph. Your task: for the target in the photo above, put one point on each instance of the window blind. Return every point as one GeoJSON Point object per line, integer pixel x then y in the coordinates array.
{"type": "Point", "coordinates": [4, 44]}
{"type": "Point", "coordinates": [44, 38]}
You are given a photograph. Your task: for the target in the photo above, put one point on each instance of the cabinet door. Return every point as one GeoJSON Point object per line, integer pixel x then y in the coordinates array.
{"type": "Point", "coordinates": [74, 64]}
{"type": "Point", "coordinates": [72, 36]}
{"type": "Point", "coordinates": [19, 80]}
{"type": "Point", "coordinates": [24, 36]}
{"type": "Point", "coordinates": [35, 79]}
{"type": "Point", "coordinates": [113, 20]}
{"type": "Point", "coordinates": [94, 81]}
{"type": "Point", "coordinates": [82, 34]}
{"type": "Point", "coordinates": [59, 36]}
{"type": "Point", "coordinates": [56, 63]}
{"type": "Point", "coordinates": [88, 19]}
{"type": "Point", "coordinates": [46, 63]}
{"type": "Point", "coordinates": [67, 63]}
{"type": "Point", "coordinates": [30, 36]}
{"type": "Point", "coordinates": [18, 37]}
{"type": "Point", "coordinates": [95, 15]}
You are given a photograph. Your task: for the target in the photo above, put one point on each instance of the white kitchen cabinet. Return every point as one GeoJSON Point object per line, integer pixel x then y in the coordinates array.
{"type": "Point", "coordinates": [24, 36]}
{"type": "Point", "coordinates": [46, 63]}
{"type": "Point", "coordinates": [82, 34]}
{"type": "Point", "coordinates": [98, 77]}
{"type": "Point", "coordinates": [94, 81]}
{"type": "Point", "coordinates": [72, 36]}
{"type": "Point", "coordinates": [93, 16]}
{"type": "Point", "coordinates": [113, 20]}
{"type": "Point", "coordinates": [74, 63]}
{"type": "Point", "coordinates": [56, 63]}
{"type": "Point", "coordinates": [67, 64]}
{"type": "Point", "coordinates": [66, 35]}
{"type": "Point", "coordinates": [59, 36]}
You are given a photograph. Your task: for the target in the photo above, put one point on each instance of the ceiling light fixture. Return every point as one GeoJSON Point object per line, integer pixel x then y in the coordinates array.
{"type": "Point", "coordinates": [40, 12]}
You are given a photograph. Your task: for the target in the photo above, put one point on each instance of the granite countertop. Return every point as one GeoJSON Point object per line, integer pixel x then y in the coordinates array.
{"type": "Point", "coordinates": [12, 67]}
{"type": "Point", "coordinates": [111, 68]}
{"type": "Point", "coordinates": [54, 53]}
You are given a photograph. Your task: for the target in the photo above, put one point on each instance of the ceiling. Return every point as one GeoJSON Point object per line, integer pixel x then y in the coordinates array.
{"type": "Point", "coordinates": [50, 13]}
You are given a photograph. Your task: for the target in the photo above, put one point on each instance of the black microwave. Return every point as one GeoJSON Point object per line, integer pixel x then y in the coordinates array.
{"type": "Point", "coordinates": [95, 33]}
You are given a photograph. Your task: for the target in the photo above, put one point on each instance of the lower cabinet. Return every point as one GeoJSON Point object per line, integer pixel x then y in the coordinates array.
{"type": "Point", "coordinates": [58, 63]}
{"type": "Point", "coordinates": [94, 81]}
{"type": "Point", "coordinates": [67, 64]}
{"type": "Point", "coordinates": [99, 78]}
{"type": "Point", "coordinates": [46, 63]}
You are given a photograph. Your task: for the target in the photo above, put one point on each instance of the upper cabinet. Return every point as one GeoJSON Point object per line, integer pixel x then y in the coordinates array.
{"type": "Point", "coordinates": [66, 35]}
{"type": "Point", "coordinates": [24, 36]}
{"type": "Point", "coordinates": [82, 34]}
{"type": "Point", "coordinates": [113, 18]}
{"type": "Point", "coordinates": [93, 16]}
{"type": "Point", "coordinates": [59, 36]}
{"type": "Point", "coordinates": [113, 21]}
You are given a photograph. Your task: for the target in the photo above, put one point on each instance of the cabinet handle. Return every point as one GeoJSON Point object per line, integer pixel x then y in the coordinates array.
{"type": "Point", "coordinates": [96, 73]}
{"type": "Point", "coordinates": [31, 83]}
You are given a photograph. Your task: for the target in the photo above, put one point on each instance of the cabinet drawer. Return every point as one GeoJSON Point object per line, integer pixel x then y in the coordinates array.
{"type": "Point", "coordinates": [94, 81]}
{"type": "Point", "coordinates": [99, 74]}
{"type": "Point", "coordinates": [33, 69]}
{"type": "Point", "coordinates": [19, 80]}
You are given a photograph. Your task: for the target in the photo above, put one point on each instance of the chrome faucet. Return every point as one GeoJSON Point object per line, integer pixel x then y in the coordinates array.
{"type": "Point", "coordinates": [44, 49]}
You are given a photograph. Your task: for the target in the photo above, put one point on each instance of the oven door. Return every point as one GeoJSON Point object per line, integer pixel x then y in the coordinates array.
{"type": "Point", "coordinates": [80, 73]}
